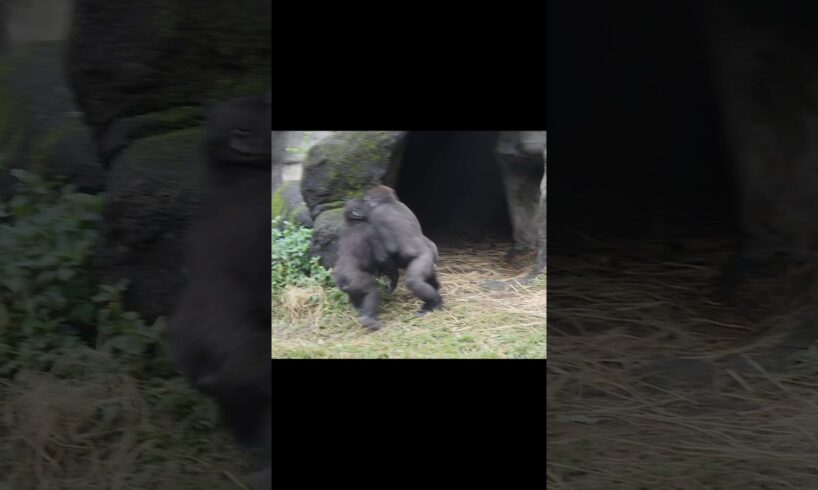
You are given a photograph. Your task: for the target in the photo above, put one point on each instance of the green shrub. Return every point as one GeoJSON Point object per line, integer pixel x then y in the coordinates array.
{"type": "Point", "coordinates": [292, 263]}
{"type": "Point", "coordinates": [54, 314]}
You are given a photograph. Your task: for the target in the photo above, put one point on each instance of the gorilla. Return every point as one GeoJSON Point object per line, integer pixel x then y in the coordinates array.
{"type": "Point", "coordinates": [765, 66]}
{"type": "Point", "coordinates": [539, 267]}
{"type": "Point", "coordinates": [520, 158]}
{"type": "Point", "coordinates": [357, 265]}
{"type": "Point", "coordinates": [219, 335]}
{"type": "Point", "coordinates": [399, 238]}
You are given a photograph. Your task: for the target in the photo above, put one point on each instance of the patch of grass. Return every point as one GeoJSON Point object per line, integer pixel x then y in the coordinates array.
{"type": "Point", "coordinates": [107, 430]}
{"type": "Point", "coordinates": [292, 263]}
{"type": "Point", "coordinates": [317, 321]}
{"type": "Point", "coordinates": [88, 398]}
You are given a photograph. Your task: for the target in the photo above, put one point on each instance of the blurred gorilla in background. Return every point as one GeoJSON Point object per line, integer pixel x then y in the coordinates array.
{"type": "Point", "coordinates": [219, 336]}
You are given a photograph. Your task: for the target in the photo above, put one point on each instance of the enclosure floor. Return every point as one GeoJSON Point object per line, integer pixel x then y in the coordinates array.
{"type": "Point", "coordinates": [611, 425]}
{"type": "Point", "coordinates": [57, 435]}
{"type": "Point", "coordinates": [476, 322]}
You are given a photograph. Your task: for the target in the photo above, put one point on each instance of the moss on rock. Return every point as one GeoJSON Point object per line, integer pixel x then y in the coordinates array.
{"type": "Point", "coordinates": [347, 163]}
{"type": "Point", "coordinates": [153, 192]}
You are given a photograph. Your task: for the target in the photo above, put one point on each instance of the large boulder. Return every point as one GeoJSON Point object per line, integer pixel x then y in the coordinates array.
{"type": "Point", "coordinates": [144, 68]}
{"type": "Point", "coordinates": [342, 166]}
{"type": "Point", "coordinates": [327, 230]}
{"type": "Point", "coordinates": [41, 128]}
{"type": "Point", "coordinates": [144, 73]}
{"type": "Point", "coordinates": [153, 192]}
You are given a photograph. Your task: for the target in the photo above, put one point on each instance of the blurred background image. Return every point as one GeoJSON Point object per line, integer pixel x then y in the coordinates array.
{"type": "Point", "coordinates": [131, 133]}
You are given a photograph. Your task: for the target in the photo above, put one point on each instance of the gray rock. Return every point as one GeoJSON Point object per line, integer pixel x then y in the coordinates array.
{"type": "Point", "coordinates": [342, 166]}
{"type": "Point", "coordinates": [153, 192]}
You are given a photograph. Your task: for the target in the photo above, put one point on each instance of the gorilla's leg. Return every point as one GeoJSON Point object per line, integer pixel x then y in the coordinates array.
{"type": "Point", "coordinates": [355, 298]}
{"type": "Point", "coordinates": [417, 275]}
{"type": "Point", "coordinates": [246, 417]}
{"type": "Point", "coordinates": [262, 478]}
{"type": "Point", "coordinates": [393, 279]}
{"type": "Point", "coordinates": [368, 311]}
{"type": "Point", "coordinates": [243, 392]}
{"type": "Point", "coordinates": [432, 280]}
{"type": "Point", "coordinates": [364, 297]}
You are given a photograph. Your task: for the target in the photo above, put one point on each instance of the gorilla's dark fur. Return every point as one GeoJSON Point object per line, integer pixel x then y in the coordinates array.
{"type": "Point", "coordinates": [360, 259]}
{"type": "Point", "coordinates": [399, 237]}
{"type": "Point", "coordinates": [219, 336]}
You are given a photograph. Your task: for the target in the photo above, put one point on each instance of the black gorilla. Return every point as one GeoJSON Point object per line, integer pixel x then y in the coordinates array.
{"type": "Point", "coordinates": [399, 238]}
{"type": "Point", "coordinates": [360, 259]}
{"type": "Point", "coordinates": [219, 336]}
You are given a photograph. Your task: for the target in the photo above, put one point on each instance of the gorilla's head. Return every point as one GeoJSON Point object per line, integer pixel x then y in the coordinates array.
{"type": "Point", "coordinates": [380, 194]}
{"type": "Point", "coordinates": [238, 132]}
{"type": "Point", "coordinates": [356, 210]}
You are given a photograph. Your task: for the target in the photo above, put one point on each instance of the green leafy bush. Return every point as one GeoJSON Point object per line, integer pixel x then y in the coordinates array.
{"type": "Point", "coordinates": [54, 315]}
{"type": "Point", "coordinates": [292, 262]}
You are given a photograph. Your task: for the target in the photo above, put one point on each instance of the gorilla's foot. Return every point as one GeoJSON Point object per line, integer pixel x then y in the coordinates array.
{"type": "Point", "coordinates": [429, 307]}
{"type": "Point", "coordinates": [536, 272]}
{"type": "Point", "coordinates": [370, 323]}
{"type": "Point", "coordinates": [519, 255]}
